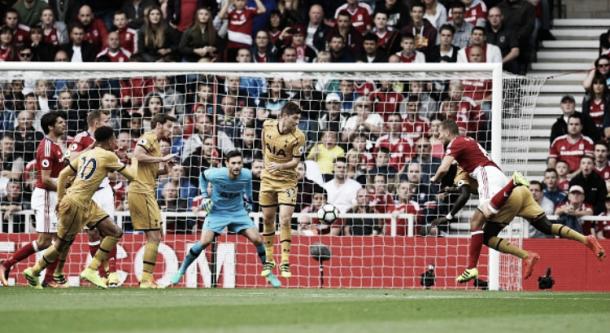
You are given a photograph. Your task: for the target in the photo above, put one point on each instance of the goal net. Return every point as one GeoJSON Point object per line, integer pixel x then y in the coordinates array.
{"type": "Point", "coordinates": [373, 126]}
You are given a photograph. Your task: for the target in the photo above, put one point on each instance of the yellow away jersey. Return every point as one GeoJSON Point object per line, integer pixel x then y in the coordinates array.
{"type": "Point", "coordinates": [281, 148]}
{"type": "Point", "coordinates": [463, 178]}
{"type": "Point", "coordinates": [91, 168]}
{"type": "Point", "coordinates": [146, 173]}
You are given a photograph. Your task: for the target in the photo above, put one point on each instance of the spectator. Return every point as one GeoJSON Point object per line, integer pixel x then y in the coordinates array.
{"type": "Point", "coordinates": [76, 119]}
{"type": "Point", "coordinates": [601, 68]}
{"type": "Point", "coordinates": [128, 37]}
{"type": "Point", "coordinates": [114, 52]}
{"type": "Point", "coordinates": [135, 11]}
{"type": "Point", "coordinates": [186, 190]}
{"type": "Point", "coordinates": [14, 97]}
{"type": "Point", "coordinates": [475, 12]}
{"type": "Point", "coordinates": [289, 55]}
{"type": "Point", "coordinates": [171, 202]}
{"type": "Point", "coordinates": [95, 32]}
{"type": "Point", "coordinates": [173, 101]}
{"type": "Point", "coordinates": [249, 145]}
{"type": "Point", "coordinates": [519, 17]}
{"type": "Point", "coordinates": [203, 157]}
{"type": "Point", "coordinates": [445, 51]}
{"type": "Point", "coordinates": [379, 196]}
{"type": "Point", "coordinates": [400, 148]}
{"type": "Point", "coordinates": [424, 191]}
{"type": "Point", "coordinates": [316, 30]}
{"type": "Point", "coordinates": [54, 32]}
{"type": "Point", "coordinates": [414, 125]}
{"type": "Point", "coordinates": [568, 108]}
{"type": "Point", "coordinates": [563, 175]}
{"type": "Point", "coordinates": [41, 51]}
{"type": "Point", "coordinates": [497, 34]}
{"type": "Point", "coordinates": [305, 187]}
{"type": "Point", "coordinates": [571, 212]}
{"type": "Point", "coordinates": [545, 203]}
{"type": "Point", "coordinates": [372, 54]}
{"type": "Point", "coordinates": [276, 27]}
{"type": "Point", "coordinates": [7, 49]}
{"type": "Point", "coordinates": [341, 190]}
{"type": "Point", "coordinates": [7, 116]}
{"type": "Point", "coordinates": [356, 169]}
{"type": "Point", "coordinates": [490, 54]}
{"type": "Point", "coordinates": [351, 38]}
{"type": "Point", "coordinates": [463, 29]}
{"type": "Point", "coordinates": [157, 41]}
{"type": "Point", "coordinates": [292, 11]}
{"type": "Point", "coordinates": [435, 13]}
{"type": "Point", "coordinates": [20, 32]}
{"type": "Point", "coordinates": [604, 43]}
{"type": "Point", "coordinates": [382, 164]}
{"type": "Point", "coordinates": [388, 39]}
{"type": "Point", "coordinates": [592, 183]}
{"type": "Point", "coordinates": [305, 53]}
{"type": "Point", "coordinates": [360, 14]}
{"type": "Point", "coordinates": [10, 204]}
{"type": "Point", "coordinates": [397, 12]}
{"type": "Point", "coordinates": [404, 204]}
{"type": "Point", "coordinates": [30, 10]}
{"type": "Point", "coordinates": [596, 106]}
{"type": "Point", "coordinates": [437, 146]}
{"type": "Point", "coordinates": [427, 105]}
{"type": "Point", "coordinates": [602, 166]}
{"type": "Point", "coordinates": [240, 24]}
{"type": "Point", "coordinates": [572, 146]}
{"type": "Point", "coordinates": [363, 120]}
{"type": "Point", "coordinates": [332, 119]}
{"type": "Point", "coordinates": [124, 147]}
{"type": "Point", "coordinates": [423, 156]}
{"type": "Point", "coordinates": [262, 50]}
{"type": "Point", "coordinates": [422, 30]}
{"type": "Point", "coordinates": [409, 54]}
{"type": "Point", "coordinates": [362, 226]}
{"type": "Point", "coordinates": [338, 51]}
{"type": "Point", "coordinates": [275, 97]}
{"type": "Point", "coordinates": [12, 165]}
{"type": "Point", "coordinates": [326, 152]}
{"type": "Point", "coordinates": [551, 188]}
{"type": "Point", "coordinates": [361, 145]}
{"type": "Point", "coordinates": [77, 49]}
{"type": "Point", "coordinates": [310, 226]}
{"type": "Point", "coordinates": [26, 137]}
{"type": "Point", "coordinates": [602, 228]}
{"type": "Point", "coordinates": [310, 101]}
{"type": "Point", "coordinates": [386, 100]}
{"type": "Point", "coordinates": [200, 39]}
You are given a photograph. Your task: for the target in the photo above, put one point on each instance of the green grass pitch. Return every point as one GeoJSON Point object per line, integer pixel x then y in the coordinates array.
{"type": "Point", "coordinates": [300, 310]}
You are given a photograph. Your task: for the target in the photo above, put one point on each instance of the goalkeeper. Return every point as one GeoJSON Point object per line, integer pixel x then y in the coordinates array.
{"type": "Point", "coordinates": [228, 207]}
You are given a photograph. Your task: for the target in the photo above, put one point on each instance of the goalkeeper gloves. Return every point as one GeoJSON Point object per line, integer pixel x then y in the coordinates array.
{"type": "Point", "coordinates": [247, 204]}
{"type": "Point", "coordinates": [206, 204]}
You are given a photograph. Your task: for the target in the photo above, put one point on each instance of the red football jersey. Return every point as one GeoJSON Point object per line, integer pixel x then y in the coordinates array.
{"type": "Point", "coordinates": [120, 55]}
{"type": "Point", "coordinates": [476, 89]}
{"type": "Point", "coordinates": [49, 156]}
{"type": "Point", "coordinates": [21, 35]}
{"type": "Point", "coordinates": [603, 226]}
{"type": "Point", "coordinates": [571, 152]}
{"type": "Point", "coordinates": [386, 102]}
{"type": "Point", "coordinates": [596, 112]}
{"type": "Point", "coordinates": [416, 129]}
{"type": "Point", "coordinates": [603, 172]}
{"type": "Point", "coordinates": [361, 16]}
{"type": "Point", "coordinates": [128, 39]}
{"type": "Point", "coordinates": [471, 115]}
{"type": "Point", "coordinates": [468, 153]}
{"type": "Point", "coordinates": [51, 36]}
{"type": "Point", "coordinates": [402, 224]}
{"type": "Point", "coordinates": [240, 26]}
{"type": "Point", "coordinates": [400, 150]}
{"type": "Point", "coordinates": [96, 34]}
{"type": "Point", "coordinates": [81, 141]}
{"type": "Point", "coordinates": [475, 12]}
{"type": "Point", "coordinates": [7, 54]}
{"type": "Point", "coordinates": [383, 203]}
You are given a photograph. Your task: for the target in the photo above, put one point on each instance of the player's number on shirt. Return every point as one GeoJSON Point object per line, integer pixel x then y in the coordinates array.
{"type": "Point", "coordinates": [88, 168]}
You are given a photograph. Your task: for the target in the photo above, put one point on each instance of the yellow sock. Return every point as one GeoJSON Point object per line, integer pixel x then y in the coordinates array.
{"type": "Point", "coordinates": [285, 235]}
{"type": "Point", "coordinates": [567, 232]}
{"type": "Point", "coordinates": [268, 239]}
{"type": "Point", "coordinates": [102, 252]}
{"type": "Point", "coordinates": [48, 257]}
{"type": "Point", "coordinates": [505, 246]}
{"type": "Point", "coordinates": [150, 260]}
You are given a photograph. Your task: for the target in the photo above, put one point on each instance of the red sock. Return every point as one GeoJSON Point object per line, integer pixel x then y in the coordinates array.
{"type": "Point", "coordinates": [474, 249]}
{"type": "Point", "coordinates": [48, 275]}
{"type": "Point", "coordinates": [498, 200]}
{"type": "Point", "coordinates": [21, 254]}
{"type": "Point", "coordinates": [112, 260]}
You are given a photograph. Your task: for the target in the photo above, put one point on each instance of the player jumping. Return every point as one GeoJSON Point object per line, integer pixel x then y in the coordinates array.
{"type": "Point", "coordinates": [49, 163]}
{"type": "Point", "coordinates": [493, 186]}
{"type": "Point", "coordinates": [228, 207]}
{"type": "Point", "coordinates": [104, 196]}
{"type": "Point", "coordinates": [77, 209]}
{"type": "Point", "coordinates": [283, 145]}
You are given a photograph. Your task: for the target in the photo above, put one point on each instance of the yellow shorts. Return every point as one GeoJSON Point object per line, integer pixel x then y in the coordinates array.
{"type": "Point", "coordinates": [73, 216]}
{"type": "Point", "coordinates": [521, 203]}
{"type": "Point", "coordinates": [273, 193]}
{"type": "Point", "coordinates": [144, 211]}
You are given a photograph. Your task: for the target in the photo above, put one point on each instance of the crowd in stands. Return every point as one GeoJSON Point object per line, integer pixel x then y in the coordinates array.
{"type": "Point", "coordinates": [372, 145]}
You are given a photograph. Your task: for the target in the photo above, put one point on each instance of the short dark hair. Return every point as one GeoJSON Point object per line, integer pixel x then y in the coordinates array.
{"type": "Point", "coordinates": [76, 25]}
{"type": "Point", "coordinates": [551, 170]}
{"type": "Point", "coordinates": [458, 4]}
{"type": "Point", "coordinates": [49, 120]}
{"type": "Point", "coordinates": [417, 4]}
{"type": "Point", "coordinates": [587, 156]}
{"type": "Point", "coordinates": [384, 150]}
{"type": "Point", "coordinates": [341, 159]}
{"type": "Point", "coordinates": [345, 13]}
{"type": "Point", "coordinates": [290, 109]}
{"type": "Point", "coordinates": [451, 126]}
{"type": "Point", "coordinates": [447, 27]}
{"type": "Point", "coordinates": [317, 189]}
{"type": "Point", "coordinates": [575, 115]}
{"type": "Point", "coordinates": [95, 115]}
{"type": "Point", "coordinates": [370, 36]}
{"type": "Point", "coordinates": [537, 183]}
{"type": "Point", "coordinates": [601, 143]}
{"type": "Point", "coordinates": [103, 133]}
{"type": "Point", "coordinates": [407, 35]}
{"type": "Point", "coordinates": [478, 28]}
{"type": "Point", "coordinates": [160, 118]}
{"type": "Point", "coordinates": [233, 153]}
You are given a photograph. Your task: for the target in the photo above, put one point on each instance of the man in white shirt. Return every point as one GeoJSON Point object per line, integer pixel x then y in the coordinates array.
{"type": "Point", "coordinates": [342, 190]}
{"type": "Point", "coordinates": [477, 38]}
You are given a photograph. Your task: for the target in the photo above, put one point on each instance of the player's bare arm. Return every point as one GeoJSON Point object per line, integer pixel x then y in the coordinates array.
{"type": "Point", "coordinates": [443, 168]}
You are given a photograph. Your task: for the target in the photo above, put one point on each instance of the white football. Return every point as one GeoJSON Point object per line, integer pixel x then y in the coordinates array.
{"type": "Point", "coordinates": [328, 213]}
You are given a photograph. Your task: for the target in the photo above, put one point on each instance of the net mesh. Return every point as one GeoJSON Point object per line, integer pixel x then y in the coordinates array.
{"type": "Point", "coordinates": [384, 123]}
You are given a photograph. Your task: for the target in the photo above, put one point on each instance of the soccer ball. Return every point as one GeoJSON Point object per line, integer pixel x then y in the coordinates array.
{"type": "Point", "coordinates": [328, 213]}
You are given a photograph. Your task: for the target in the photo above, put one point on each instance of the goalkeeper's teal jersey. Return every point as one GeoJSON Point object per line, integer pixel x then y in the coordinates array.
{"type": "Point", "coordinates": [227, 194]}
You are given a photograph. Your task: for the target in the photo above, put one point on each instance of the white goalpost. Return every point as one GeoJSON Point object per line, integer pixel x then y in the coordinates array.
{"type": "Point", "coordinates": [221, 106]}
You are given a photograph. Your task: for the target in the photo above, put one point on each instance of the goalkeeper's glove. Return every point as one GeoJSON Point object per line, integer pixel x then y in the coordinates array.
{"type": "Point", "coordinates": [248, 204]}
{"type": "Point", "coordinates": [206, 205]}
